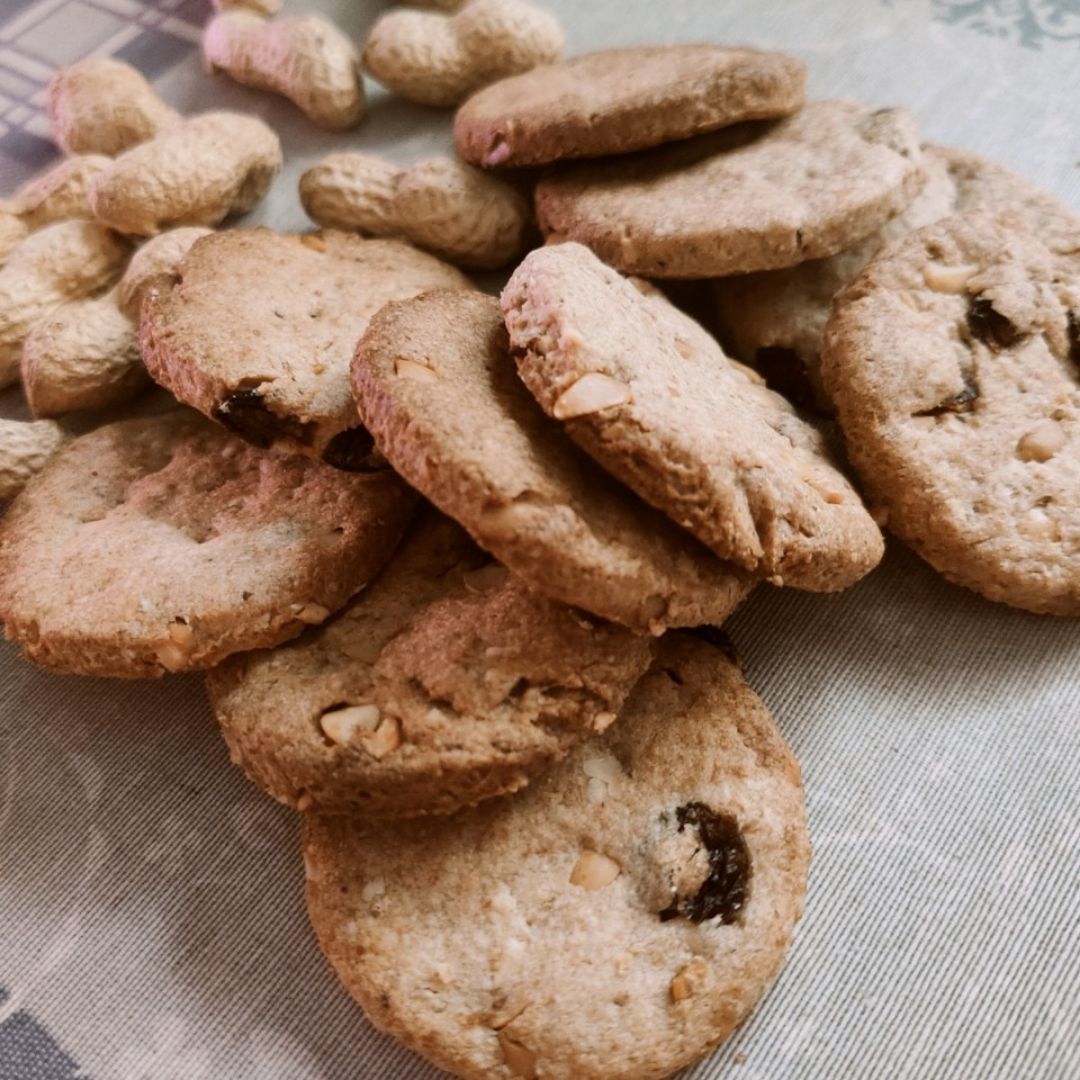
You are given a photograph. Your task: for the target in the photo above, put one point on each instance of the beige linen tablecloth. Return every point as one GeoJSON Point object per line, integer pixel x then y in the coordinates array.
{"type": "Point", "coordinates": [151, 914]}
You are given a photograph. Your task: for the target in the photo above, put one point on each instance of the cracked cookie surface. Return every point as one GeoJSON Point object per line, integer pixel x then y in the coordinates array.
{"type": "Point", "coordinates": [445, 682]}
{"type": "Point", "coordinates": [754, 196]}
{"type": "Point", "coordinates": [258, 329]}
{"type": "Point", "coordinates": [435, 384]}
{"type": "Point", "coordinates": [166, 544]}
{"type": "Point", "coordinates": [954, 363]}
{"type": "Point", "coordinates": [653, 398]}
{"type": "Point", "coordinates": [775, 320]}
{"type": "Point", "coordinates": [617, 918]}
{"type": "Point", "coordinates": [617, 100]}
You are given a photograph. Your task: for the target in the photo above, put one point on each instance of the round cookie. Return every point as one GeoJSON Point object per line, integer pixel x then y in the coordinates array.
{"type": "Point", "coordinates": [954, 363]}
{"type": "Point", "coordinates": [775, 319]}
{"type": "Point", "coordinates": [447, 681]}
{"type": "Point", "coordinates": [618, 100]}
{"type": "Point", "coordinates": [258, 329]}
{"type": "Point", "coordinates": [691, 432]}
{"type": "Point", "coordinates": [751, 197]}
{"type": "Point", "coordinates": [617, 919]}
{"type": "Point", "coordinates": [165, 544]}
{"type": "Point", "coordinates": [435, 385]}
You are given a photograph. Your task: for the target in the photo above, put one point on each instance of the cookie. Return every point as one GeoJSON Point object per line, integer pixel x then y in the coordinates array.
{"type": "Point", "coordinates": [165, 544]}
{"type": "Point", "coordinates": [259, 329]}
{"type": "Point", "coordinates": [653, 398]}
{"type": "Point", "coordinates": [754, 196]}
{"type": "Point", "coordinates": [435, 385]}
{"type": "Point", "coordinates": [618, 100]}
{"type": "Point", "coordinates": [954, 363]}
{"type": "Point", "coordinates": [618, 918]}
{"type": "Point", "coordinates": [775, 320]}
{"type": "Point", "coordinates": [446, 682]}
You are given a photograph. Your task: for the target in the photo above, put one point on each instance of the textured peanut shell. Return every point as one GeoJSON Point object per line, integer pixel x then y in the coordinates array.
{"type": "Point", "coordinates": [85, 355]}
{"type": "Point", "coordinates": [443, 206]}
{"type": "Point", "coordinates": [197, 172]}
{"type": "Point", "coordinates": [24, 450]}
{"type": "Point", "coordinates": [60, 192]}
{"type": "Point", "coordinates": [103, 106]}
{"type": "Point", "coordinates": [305, 58]}
{"type": "Point", "coordinates": [439, 59]}
{"type": "Point", "coordinates": [58, 264]}
{"type": "Point", "coordinates": [13, 232]}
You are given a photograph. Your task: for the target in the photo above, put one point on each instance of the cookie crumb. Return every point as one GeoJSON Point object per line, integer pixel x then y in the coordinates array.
{"type": "Point", "coordinates": [689, 980]}
{"type": "Point", "coordinates": [592, 393]}
{"type": "Point", "coordinates": [1042, 442]}
{"type": "Point", "coordinates": [594, 871]}
{"type": "Point", "coordinates": [341, 725]}
{"type": "Point", "coordinates": [385, 739]}
{"type": "Point", "coordinates": [948, 279]}
{"type": "Point", "coordinates": [519, 1059]}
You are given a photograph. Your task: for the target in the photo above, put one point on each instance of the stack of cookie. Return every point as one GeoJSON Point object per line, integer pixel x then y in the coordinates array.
{"type": "Point", "coordinates": [952, 358]}
{"type": "Point", "coordinates": [661, 847]}
{"type": "Point", "coordinates": [438, 548]}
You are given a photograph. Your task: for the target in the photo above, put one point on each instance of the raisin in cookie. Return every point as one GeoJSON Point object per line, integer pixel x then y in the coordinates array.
{"type": "Point", "coordinates": [652, 397]}
{"type": "Point", "coordinates": [257, 331]}
{"type": "Point", "coordinates": [617, 919]}
{"type": "Point", "coordinates": [618, 100]}
{"type": "Point", "coordinates": [775, 319]}
{"type": "Point", "coordinates": [954, 363]}
{"type": "Point", "coordinates": [165, 544]}
{"type": "Point", "coordinates": [435, 384]}
{"type": "Point", "coordinates": [446, 682]}
{"type": "Point", "coordinates": [749, 197]}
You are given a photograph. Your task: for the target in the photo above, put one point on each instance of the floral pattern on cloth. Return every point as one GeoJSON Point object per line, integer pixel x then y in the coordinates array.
{"type": "Point", "coordinates": [1027, 22]}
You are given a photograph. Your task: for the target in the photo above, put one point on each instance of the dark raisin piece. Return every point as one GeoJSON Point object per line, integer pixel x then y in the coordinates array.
{"type": "Point", "coordinates": [961, 402]}
{"type": "Point", "coordinates": [719, 639]}
{"type": "Point", "coordinates": [1073, 333]}
{"type": "Point", "coordinates": [989, 325]}
{"type": "Point", "coordinates": [350, 450]}
{"type": "Point", "coordinates": [245, 414]}
{"type": "Point", "coordinates": [785, 372]}
{"type": "Point", "coordinates": [724, 892]}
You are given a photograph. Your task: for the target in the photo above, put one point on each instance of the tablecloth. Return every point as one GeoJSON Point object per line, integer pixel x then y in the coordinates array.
{"type": "Point", "coordinates": [151, 914]}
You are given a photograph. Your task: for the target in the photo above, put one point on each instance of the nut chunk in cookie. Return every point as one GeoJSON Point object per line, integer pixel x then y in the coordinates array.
{"type": "Point", "coordinates": [447, 681]}
{"type": "Point", "coordinates": [257, 331]}
{"type": "Point", "coordinates": [165, 544]}
{"type": "Point", "coordinates": [435, 384]}
{"type": "Point", "coordinates": [753, 196]}
{"type": "Point", "coordinates": [954, 362]}
{"type": "Point", "coordinates": [652, 397]}
{"type": "Point", "coordinates": [617, 918]}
